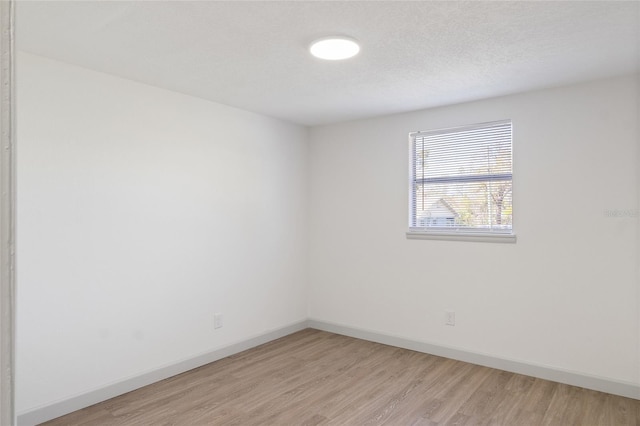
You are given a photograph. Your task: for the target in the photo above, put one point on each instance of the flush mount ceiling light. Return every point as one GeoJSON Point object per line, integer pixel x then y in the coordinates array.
{"type": "Point", "coordinates": [334, 48]}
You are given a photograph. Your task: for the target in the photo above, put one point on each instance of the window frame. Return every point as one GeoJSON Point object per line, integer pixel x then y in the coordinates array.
{"type": "Point", "coordinates": [455, 233]}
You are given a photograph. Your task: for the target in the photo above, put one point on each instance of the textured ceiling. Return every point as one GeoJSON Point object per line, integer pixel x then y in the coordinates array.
{"type": "Point", "coordinates": [253, 55]}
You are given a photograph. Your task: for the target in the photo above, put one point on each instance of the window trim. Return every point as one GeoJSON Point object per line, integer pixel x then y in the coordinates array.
{"type": "Point", "coordinates": [478, 237]}
{"type": "Point", "coordinates": [456, 234]}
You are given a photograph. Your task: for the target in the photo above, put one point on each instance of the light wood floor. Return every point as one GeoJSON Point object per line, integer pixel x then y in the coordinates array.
{"type": "Point", "coordinates": [313, 377]}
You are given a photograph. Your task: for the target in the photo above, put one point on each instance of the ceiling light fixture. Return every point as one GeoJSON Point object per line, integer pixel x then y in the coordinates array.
{"type": "Point", "coordinates": [334, 48]}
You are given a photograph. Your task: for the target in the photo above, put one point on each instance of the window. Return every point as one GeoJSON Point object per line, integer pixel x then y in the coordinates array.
{"type": "Point", "coordinates": [461, 183]}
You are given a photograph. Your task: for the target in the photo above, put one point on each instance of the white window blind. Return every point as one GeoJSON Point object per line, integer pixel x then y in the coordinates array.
{"type": "Point", "coordinates": [461, 179]}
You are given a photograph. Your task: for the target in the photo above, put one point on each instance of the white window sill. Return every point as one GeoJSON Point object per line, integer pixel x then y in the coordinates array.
{"type": "Point", "coordinates": [462, 236]}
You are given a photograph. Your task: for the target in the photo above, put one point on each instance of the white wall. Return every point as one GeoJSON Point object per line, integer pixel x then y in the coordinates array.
{"type": "Point", "coordinates": [141, 213]}
{"type": "Point", "coordinates": [564, 296]}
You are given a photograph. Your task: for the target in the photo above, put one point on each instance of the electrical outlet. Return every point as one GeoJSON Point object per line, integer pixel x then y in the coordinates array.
{"type": "Point", "coordinates": [217, 320]}
{"type": "Point", "coordinates": [449, 318]}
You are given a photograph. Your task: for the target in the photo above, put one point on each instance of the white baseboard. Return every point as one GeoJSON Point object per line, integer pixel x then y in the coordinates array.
{"type": "Point", "coordinates": [60, 408]}
{"type": "Point", "coordinates": [626, 389]}
{"type": "Point", "coordinates": [95, 396]}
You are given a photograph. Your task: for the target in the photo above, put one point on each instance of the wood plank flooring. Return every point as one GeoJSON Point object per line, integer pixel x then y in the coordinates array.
{"type": "Point", "coordinates": [318, 378]}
